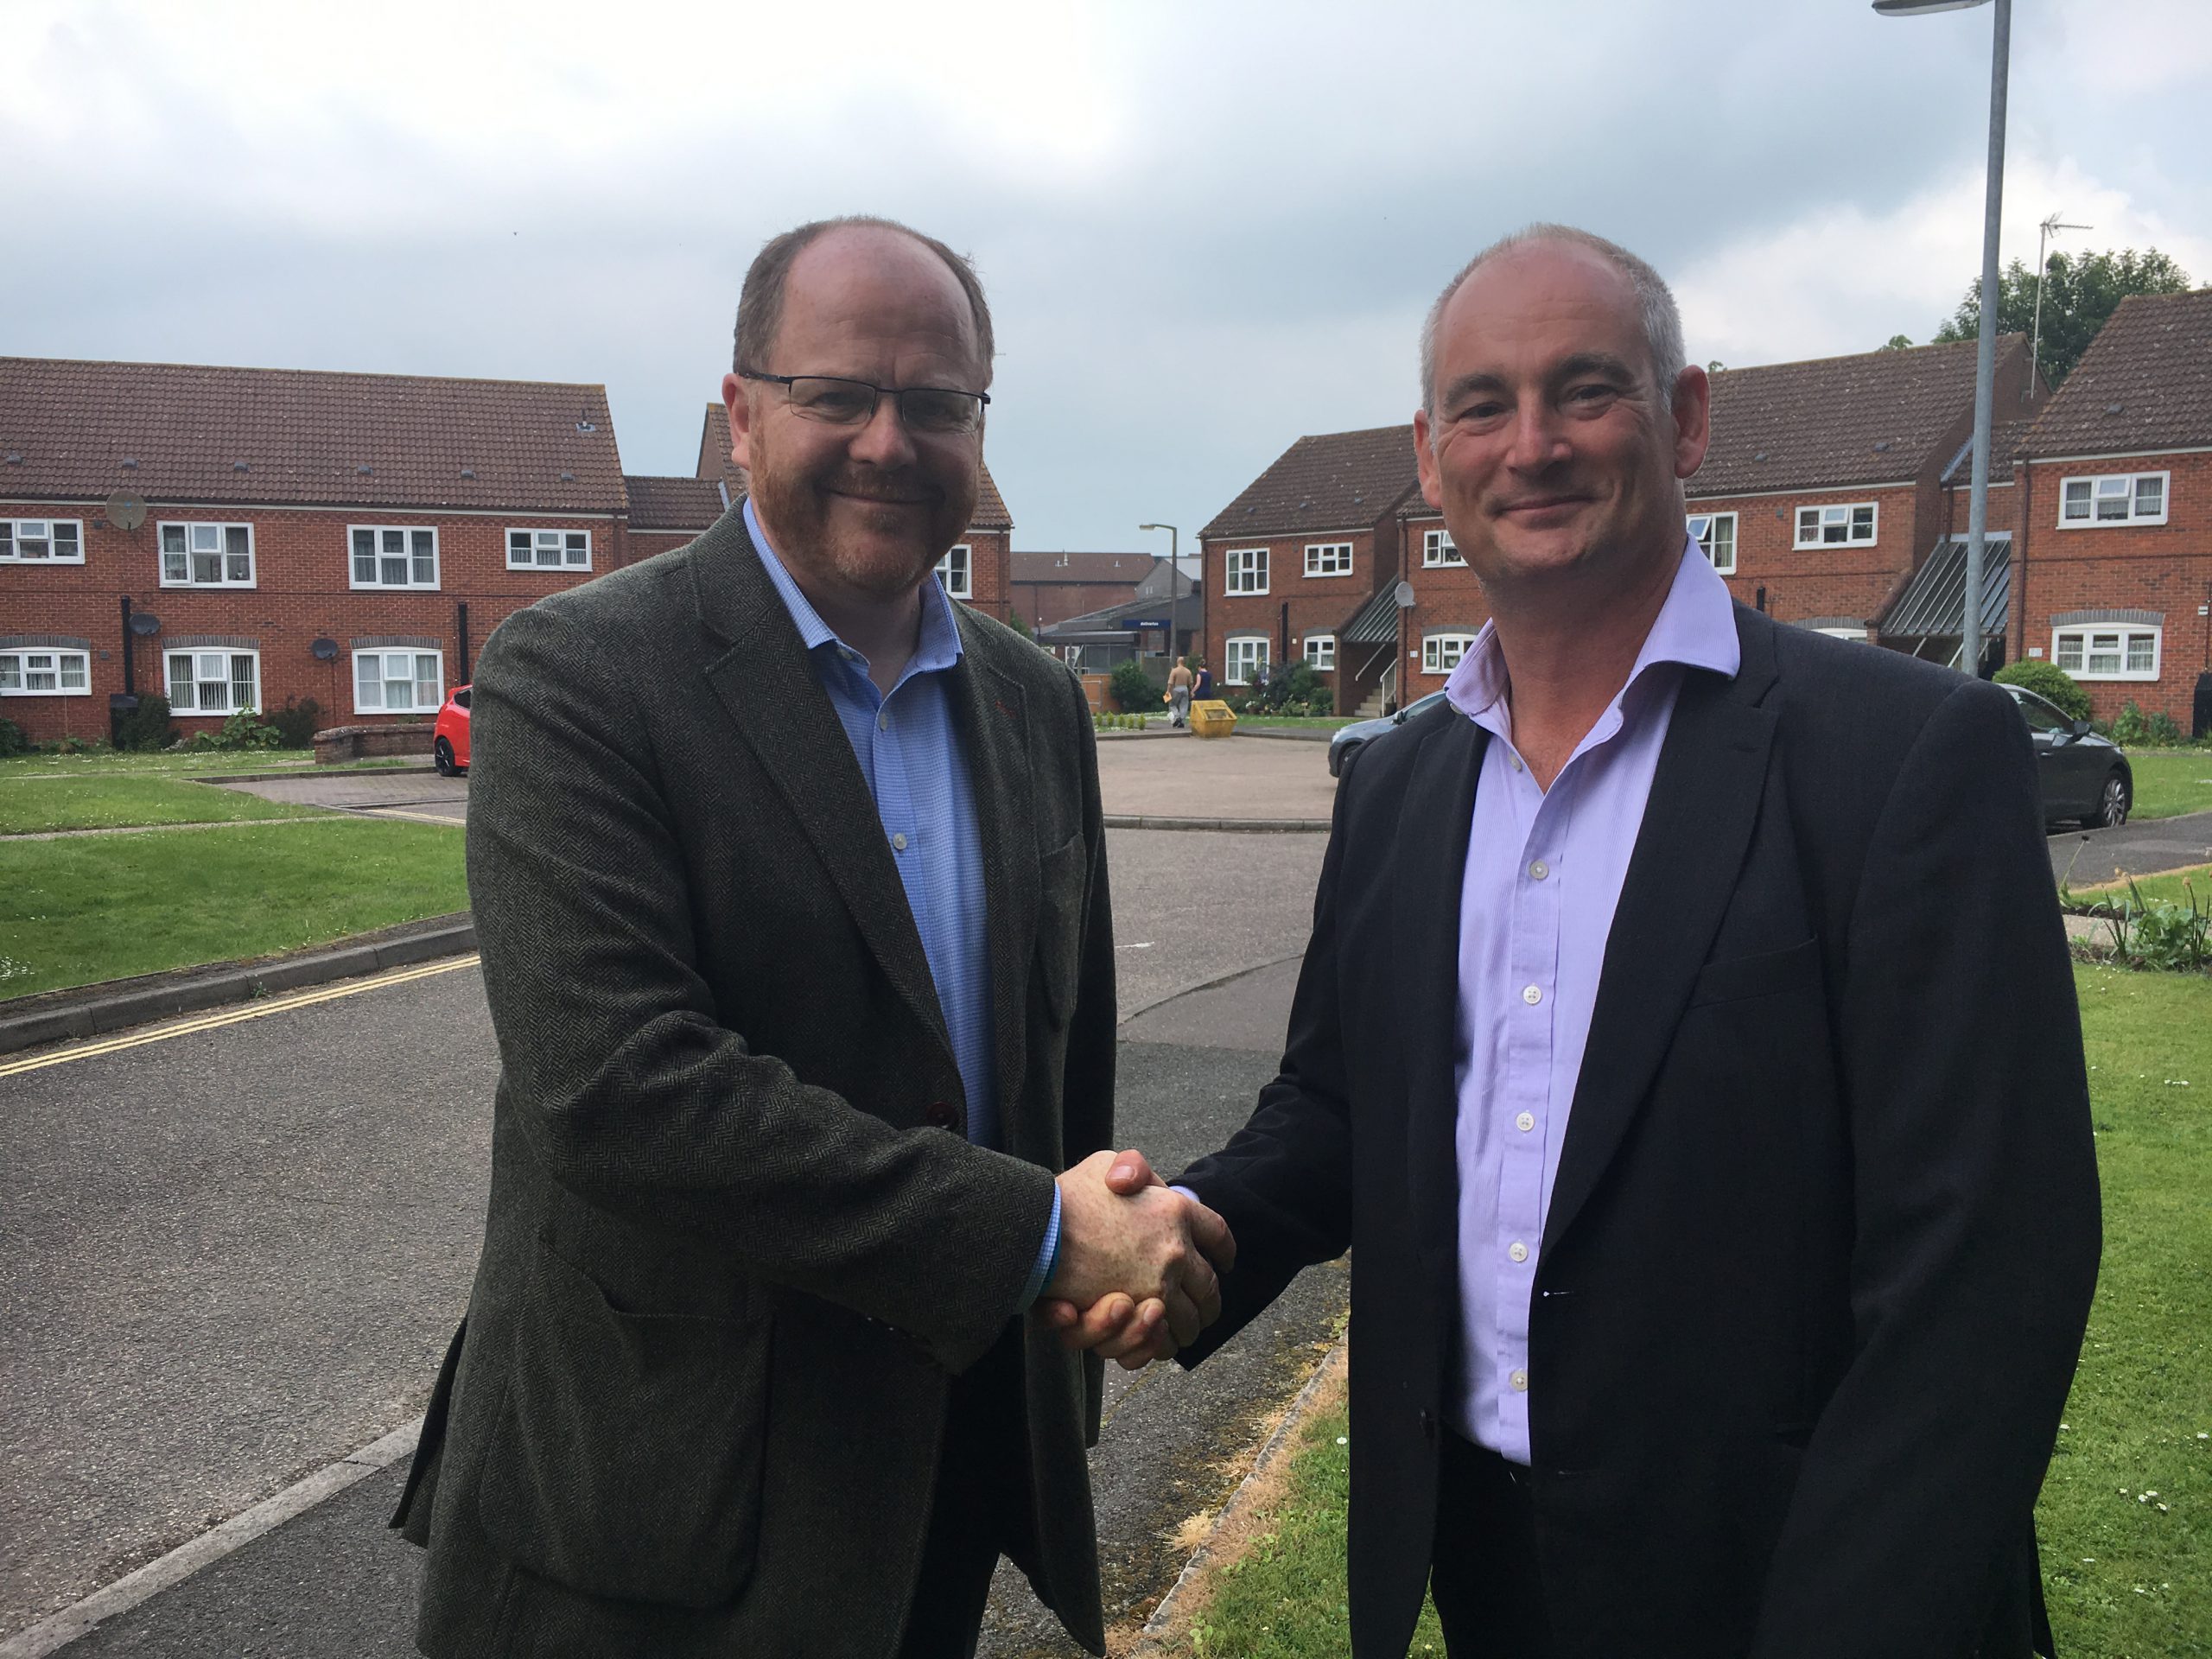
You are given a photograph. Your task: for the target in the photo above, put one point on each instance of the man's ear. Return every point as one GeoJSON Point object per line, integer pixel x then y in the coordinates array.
{"type": "Point", "coordinates": [741, 419]}
{"type": "Point", "coordinates": [1692, 408]}
{"type": "Point", "coordinates": [1431, 490]}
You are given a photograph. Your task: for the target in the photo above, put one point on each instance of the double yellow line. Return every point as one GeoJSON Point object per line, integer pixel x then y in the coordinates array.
{"type": "Point", "coordinates": [257, 1010]}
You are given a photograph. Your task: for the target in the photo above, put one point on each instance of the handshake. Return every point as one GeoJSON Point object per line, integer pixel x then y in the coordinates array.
{"type": "Point", "coordinates": [1135, 1278]}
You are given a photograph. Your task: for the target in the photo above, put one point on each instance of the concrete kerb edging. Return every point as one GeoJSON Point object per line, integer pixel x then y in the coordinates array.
{"type": "Point", "coordinates": [103, 1008]}
{"type": "Point", "coordinates": [241, 1529]}
{"type": "Point", "coordinates": [1150, 1643]}
{"type": "Point", "coordinates": [1227, 826]}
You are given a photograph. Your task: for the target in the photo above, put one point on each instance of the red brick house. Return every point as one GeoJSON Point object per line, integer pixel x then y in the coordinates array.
{"type": "Point", "coordinates": [1049, 588]}
{"type": "Point", "coordinates": [1302, 562]}
{"type": "Point", "coordinates": [2112, 577]}
{"type": "Point", "coordinates": [294, 534]}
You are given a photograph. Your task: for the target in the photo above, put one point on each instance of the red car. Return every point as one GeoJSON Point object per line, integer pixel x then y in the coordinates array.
{"type": "Point", "coordinates": [449, 737]}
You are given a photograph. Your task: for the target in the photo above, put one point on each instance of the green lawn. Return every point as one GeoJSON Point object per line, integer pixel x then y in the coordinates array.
{"type": "Point", "coordinates": [2126, 1520]}
{"type": "Point", "coordinates": [2172, 887]}
{"type": "Point", "coordinates": [113, 801]}
{"type": "Point", "coordinates": [102, 763]}
{"type": "Point", "coordinates": [2171, 782]}
{"type": "Point", "coordinates": [76, 911]}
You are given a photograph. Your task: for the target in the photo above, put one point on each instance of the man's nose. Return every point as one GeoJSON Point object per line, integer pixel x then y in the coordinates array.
{"type": "Point", "coordinates": [1538, 439]}
{"type": "Point", "coordinates": [884, 439]}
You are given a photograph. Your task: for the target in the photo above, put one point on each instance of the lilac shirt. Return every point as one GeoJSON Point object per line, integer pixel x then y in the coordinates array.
{"type": "Point", "coordinates": [1543, 876]}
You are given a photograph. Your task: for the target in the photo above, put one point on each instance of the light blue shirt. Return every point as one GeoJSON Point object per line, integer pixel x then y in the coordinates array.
{"type": "Point", "coordinates": [910, 754]}
{"type": "Point", "coordinates": [1543, 878]}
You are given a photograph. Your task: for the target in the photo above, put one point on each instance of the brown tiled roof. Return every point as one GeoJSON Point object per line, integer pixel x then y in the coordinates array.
{"type": "Point", "coordinates": [1416, 507]}
{"type": "Point", "coordinates": [304, 437]}
{"type": "Point", "coordinates": [672, 503]}
{"type": "Point", "coordinates": [2146, 382]}
{"type": "Point", "coordinates": [1866, 419]}
{"type": "Point", "coordinates": [1130, 568]}
{"type": "Point", "coordinates": [1337, 480]}
{"type": "Point", "coordinates": [2006, 438]}
{"type": "Point", "coordinates": [715, 463]}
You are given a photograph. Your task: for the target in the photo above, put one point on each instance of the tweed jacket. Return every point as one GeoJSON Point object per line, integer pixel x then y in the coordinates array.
{"type": "Point", "coordinates": [732, 1256]}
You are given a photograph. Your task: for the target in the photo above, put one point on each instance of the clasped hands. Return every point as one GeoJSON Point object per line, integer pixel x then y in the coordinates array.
{"type": "Point", "coordinates": [1136, 1275]}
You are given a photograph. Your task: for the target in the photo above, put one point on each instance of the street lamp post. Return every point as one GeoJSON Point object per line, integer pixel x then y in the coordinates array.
{"type": "Point", "coordinates": [1985, 371]}
{"type": "Point", "coordinates": [1174, 576]}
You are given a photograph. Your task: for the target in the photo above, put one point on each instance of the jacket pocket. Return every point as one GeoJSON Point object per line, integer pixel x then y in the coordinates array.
{"type": "Point", "coordinates": [627, 1461]}
{"type": "Point", "coordinates": [1767, 973]}
{"type": "Point", "coordinates": [1062, 876]}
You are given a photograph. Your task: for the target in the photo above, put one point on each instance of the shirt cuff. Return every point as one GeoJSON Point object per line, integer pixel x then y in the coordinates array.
{"type": "Point", "coordinates": [1048, 1257]}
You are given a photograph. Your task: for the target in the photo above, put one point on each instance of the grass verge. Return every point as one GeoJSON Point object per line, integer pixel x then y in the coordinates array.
{"type": "Point", "coordinates": [2171, 887]}
{"type": "Point", "coordinates": [2171, 782]}
{"type": "Point", "coordinates": [115, 801]}
{"type": "Point", "coordinates": [104, 763]}
{"type": "Point", "coordinates": [2125, 1519]}
{"type": "Point", "coordinates": [102, 907]}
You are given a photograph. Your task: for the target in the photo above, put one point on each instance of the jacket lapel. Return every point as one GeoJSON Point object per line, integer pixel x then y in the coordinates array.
{"type": "Point", "coordinates": [766, 682]}
{"type": "Point", "coordinates": [1430, 859]}
{"type": "Point", "coordinates": [991, 716]}
{"type": "Point", "coordinates": [1697, 824]}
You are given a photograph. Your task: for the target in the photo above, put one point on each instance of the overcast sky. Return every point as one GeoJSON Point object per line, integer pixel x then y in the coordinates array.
{"type": "Point", "coordinates": [1205, 229]}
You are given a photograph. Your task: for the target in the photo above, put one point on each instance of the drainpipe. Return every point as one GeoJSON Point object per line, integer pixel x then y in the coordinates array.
{"type": "Point", "coordinates": [130, 657]}
{"type": "Point", "coordinates": [462, 617]}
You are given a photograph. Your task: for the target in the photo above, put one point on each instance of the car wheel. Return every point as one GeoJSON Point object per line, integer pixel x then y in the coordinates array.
{"type": "Point", "coordinates": [2112, 801]}
{"type": "Point", "coordinates": [442, 757]}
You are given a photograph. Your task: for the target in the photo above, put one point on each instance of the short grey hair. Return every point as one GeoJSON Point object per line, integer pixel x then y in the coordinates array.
{"type": "Point", "coordinates": [760, 303]}
{"type": "Point", "coordinates": [1662, 318]}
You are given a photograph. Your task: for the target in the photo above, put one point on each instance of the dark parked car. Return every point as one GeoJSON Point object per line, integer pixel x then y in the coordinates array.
{"type": "Point", "coordinates": [2086, 779]}
{"type": "Point", "coordinates": [1348, 738]}
{"type": "Point", "coordinates": [449, 737]}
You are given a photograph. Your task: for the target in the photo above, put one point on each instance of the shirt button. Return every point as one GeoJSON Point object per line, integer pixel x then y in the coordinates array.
{"type": "Point", "coordinates": [1540, 869]}
{"type": "Point", "coordinates": [1532, 994]}
{"type": "Point", "coordinates": [1525, 1122]}
{"type": "Point", "coordinates": [900, 841]}
{"type": "Point", "coordinates": [1520, 1381]}
{"type": "Point", "coordinates": [1514, 761]}
{"type": "Point", "coordinates": [1519, 1251]}
{"type": "Point", "coordinates": [883, 720]}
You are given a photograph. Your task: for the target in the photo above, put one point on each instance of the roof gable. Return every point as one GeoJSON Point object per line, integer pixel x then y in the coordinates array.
{"type": "Point", "coordinates": [1334, 481]}
{"type": "Point", "coordinates": [686, 504]}
{"type": "Point", "coordinates": [2146, 383]}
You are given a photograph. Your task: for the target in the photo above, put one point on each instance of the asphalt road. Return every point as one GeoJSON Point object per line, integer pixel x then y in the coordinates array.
{"type": "Point", "coordinates": [2138, 848]}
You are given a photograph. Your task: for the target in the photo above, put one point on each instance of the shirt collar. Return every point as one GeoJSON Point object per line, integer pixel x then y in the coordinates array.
{"type": "Point", "coordinates": [938, 647]}
{"type": "Point", "coordinates": [1695, 628]}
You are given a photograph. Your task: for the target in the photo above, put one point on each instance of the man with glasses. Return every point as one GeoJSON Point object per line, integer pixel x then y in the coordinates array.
{"type": "Point", "coordinates": [789, 880]}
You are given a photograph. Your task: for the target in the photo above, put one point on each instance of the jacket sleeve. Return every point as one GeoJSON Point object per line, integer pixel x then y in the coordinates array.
{"type": "Point", "coordinates": [1087, 1085]}
{"type": "Point", "coordinates": [630, 1092]}
{"type": "Point", "coordinates": [1976, 1211]}
{"type": "Point", "coordinates": [1283, 1183]}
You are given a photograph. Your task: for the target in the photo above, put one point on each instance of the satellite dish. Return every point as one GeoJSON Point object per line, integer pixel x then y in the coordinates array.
{"type": "Point", "coordinates": [325, 650]}
{"type": "Point", "coordinates": [145, 624]}
{"type": "Point", "coordinates": [126, 511]}
{"type": "Point", "coordinates": [1404, 595]}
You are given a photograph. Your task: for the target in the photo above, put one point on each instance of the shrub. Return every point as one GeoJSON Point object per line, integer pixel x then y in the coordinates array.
{"type": "Point", "coordinates": [12, 740]}
{"type": "Point", "coordinates": [2164, 732]}
{"type": "Point", "coordinates": [297, 723]}
{"type": "Point", "coordinates": [2156, 933]}
{"type": "Point", "coordinates": [2128, 726]}
{"type": "Point", "coordinates": [1131, 689]}
{"type": "Point", "coordinates": [2051, 682]}
{"type": "Point", "coordinates": [146, 726]}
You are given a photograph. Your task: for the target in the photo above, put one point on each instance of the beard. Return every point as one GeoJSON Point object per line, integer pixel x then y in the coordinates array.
{"type": "Point", "coordinates": [873, 534]}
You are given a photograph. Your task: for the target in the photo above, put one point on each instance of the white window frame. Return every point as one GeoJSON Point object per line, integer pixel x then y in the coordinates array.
{"type": "Point", "coordinates": [1328, 558]}
{"type": "Point", "coordinates": [1433, 646]}
{"type": "Point", "coordinates": [1851, 537]}
{"type": "Point", "coordinates": [185, 527]}
{"type": "Point", "coordinates": [199, 654]}
{"type": "Point", "coordinates": [406, 531]}
{"type": "Point", "coordinates": [2095, 482]}
{"type": "Point", "coordinates": [1242, 659]}
{"type": "Point", "coordinates": [2083, 638]}
{"type": "Point", "coordinates": [535, 542]}
{"type": "Point", "coordinates": [14, 530]}
{"type": "Point", "coordinates": [1320, 653]}
{"type": "Point", "coordinates": [19, 663]}
{"type": "Point", "coordinates": [1246, 571]}
{"type": "Point", "coordinates": [1440, 552]}
{"type": "Point", "coordinates": [1706, 538]}
{"type": "Point", "coordinates": [385, 680]}
{"type": "Point", "coordinates": [957, 576]}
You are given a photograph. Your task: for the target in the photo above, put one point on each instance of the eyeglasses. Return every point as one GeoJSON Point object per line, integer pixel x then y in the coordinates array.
{"type": "Point", "coordinates": [936, 410]}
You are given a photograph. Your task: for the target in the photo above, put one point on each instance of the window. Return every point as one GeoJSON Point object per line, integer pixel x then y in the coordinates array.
{"type": "Point", "coordinates": [957, 572]}
{"type": "Point", "coordinates": [1248, 658]}
{"type": "Point", "coordinates": [57, 541]}
{"type": "Point", "coordinates": [398, 681]}
{"type": "Point", "coordinates": [213, 682]}
{"type": "Point", "coordinates": [388, 556]}
{"type": "Point", "coordinates": [1328, 559]}
{"type": "Point", "coordinates": [1716, 534]}
{"type": "Point", "coordinates": [2107, 653]}
{"type": "Point", "coordinates": [2120, 499]}
{"type": "Point", "coordinates": [1248, 570]}
{"type": "Point", "coordinates": [1440, 653]}
{"type": "Point", "coordinates": [45, 673]}
{"type": "Point", "coordinates": [536, 550]}
{"type": "Point", "coordinates": [1851, 524]}
{"type": "Point", "coordinates": [206, 555]}
{"type": "Point", "coordinates": [1438, 551]}
{"type": "Point", "coordinates": [1321, 652]}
